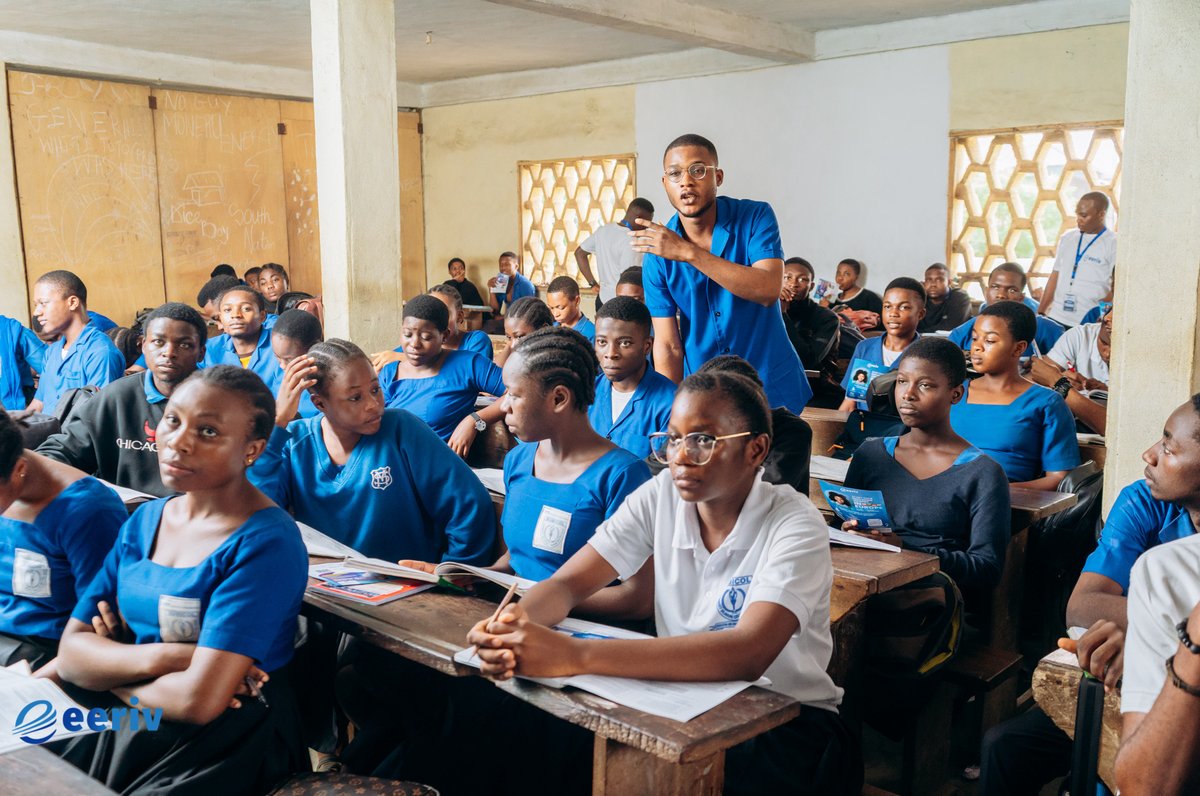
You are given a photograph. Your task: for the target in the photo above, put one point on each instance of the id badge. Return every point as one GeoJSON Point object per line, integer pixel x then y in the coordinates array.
{"type": "Point", "coordinates": [1069, 302]}
{"type": "Point", "coordinates": [178, 618]}
{"type": "Point", "coordinates": [31, 574]}
{"type": "Point", "coordinates": [550, 533]}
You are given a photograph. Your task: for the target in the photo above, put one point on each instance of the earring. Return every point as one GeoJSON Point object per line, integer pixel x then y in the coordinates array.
{"type": "Point", "coordinates": [249, 461]}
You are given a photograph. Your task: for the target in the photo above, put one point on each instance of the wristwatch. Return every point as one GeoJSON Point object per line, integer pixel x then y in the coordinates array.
{"type": "Point", "coordinates": [480, 423]}
{"type": "Point", "coordinates": [1062, 387]}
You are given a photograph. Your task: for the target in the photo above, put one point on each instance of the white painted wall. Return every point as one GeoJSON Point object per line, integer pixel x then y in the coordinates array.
{"type": "Point", "coordinates": [852, 153]}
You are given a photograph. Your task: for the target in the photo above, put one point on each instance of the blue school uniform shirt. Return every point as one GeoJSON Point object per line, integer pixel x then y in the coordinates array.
{"type": "Point", "coordinates": [1045, 337]}
{"type": "Point", "coordinates": [443, 400]}
{"type": "Point", "coordinates": [1136, 522]}
{"type": "Point", "coordinates": [45, 565]}
{"type": "Point", "coordinates": [522, 287]}
{"type": "Point", "coordinates": [1094, 315]}
{"type": "Point", "coordinates": [92, 360]}
{"type": "Point", "coordinates": [1033, 435]}
{"type": "Point", "coordinates": [475, 341]}
{"type": "Point", "coordinates": [713, 321]}
{"type": "Point", "coordinates": [401, 494]}
{"type": "Point", "coordinates": [868, 356]}
{"type": "Point", "coordinates": [101, 322]}
{"type": "Point", "coordinates": [585, 327]}
{"type": "Point", "coordinates": [546, 523]}
{"type": "Point", "coordinates": [244, 597]}
{"type": "Point", "coordinates": [647, 412]}
{"type": "Point", "coordinates": [220, 351]}
{"type": "Point", "coordinates": [20, 352]}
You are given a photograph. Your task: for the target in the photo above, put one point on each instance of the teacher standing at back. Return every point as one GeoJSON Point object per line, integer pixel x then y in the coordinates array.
{"type": "Point", "coordinates": [713, 275]}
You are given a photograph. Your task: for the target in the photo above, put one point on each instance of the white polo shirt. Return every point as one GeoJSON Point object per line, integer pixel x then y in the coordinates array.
{"type": "Point", "coordinates": [614, 253]}
{"type": "Point", "coordinates": [778, 552]}
{"type": "Point", "coordinates": [1078, 348]}
{"type": "Point", "coordinates": [1093, 279]}
{"type": "Point", "coordinates": [1163, 589]}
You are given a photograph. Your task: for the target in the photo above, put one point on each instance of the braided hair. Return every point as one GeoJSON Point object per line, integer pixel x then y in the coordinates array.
{"type": "Point", "coordinates": [333, 355]}
{"type": "Point", "coordinates": [450, 292]}
{"type": "Point", "coordinates": [561, 356]}
{"type": "Point", "coordinates": [531, 310]}
{"type": "Point", "coordinates": [247, 385]}
{"type": "Point", "coordinates": [746, 397]}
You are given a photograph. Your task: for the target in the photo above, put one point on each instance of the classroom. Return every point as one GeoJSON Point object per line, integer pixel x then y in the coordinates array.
{"type": "Point", "coordinates": [568, 396]}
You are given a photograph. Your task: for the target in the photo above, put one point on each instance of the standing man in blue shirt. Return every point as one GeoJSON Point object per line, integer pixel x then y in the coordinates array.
{"type": "Point", "coordinates": [713, 275]}
{"type": "Point", "coordinates": [83, 355]}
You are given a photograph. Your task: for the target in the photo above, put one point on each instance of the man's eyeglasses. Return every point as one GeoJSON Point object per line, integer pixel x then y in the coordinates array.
{"type": "Point", "coordinates": [697, 447]}
{"type": "Point", "coordinates": [698, 171]}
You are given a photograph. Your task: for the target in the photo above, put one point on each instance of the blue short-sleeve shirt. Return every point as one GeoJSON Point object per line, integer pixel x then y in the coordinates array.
{"type": "Point", "coordinates": [444, 399]}
{"type": "Point", "coordinates": [243, 598]}
{"type": "Point", "coordinates": [712, 320]}
{"type": "Point", "coordinates": [647, 412]}
{"type": "Point", "coordinates": [101, 322]}
{"type": "Point", "coordinates": [865, 365]}
{"type": "Point", "coordinates": [92, 360]}
{"type": "Point", "coordinates": [1029, 437]}
{"type": "Point", "coordinates": [522, 287]}
{"type": "Point", "coordinates": [585, 327]}
{"type": "Point", "coordinates": [546, 523]}
{"type": "Point", "coordinates": [20, 352]}
{"type": "Point", "coordinates": [1044, 338]}
{"type": "Point", "coordinates": [1136, 523]}
{"type": "Point", "coordinates": [45, 565]}
{"type": "Point", "coordinates": [474, 341]}
{"type": "Point", "coordinates": [220, 351]}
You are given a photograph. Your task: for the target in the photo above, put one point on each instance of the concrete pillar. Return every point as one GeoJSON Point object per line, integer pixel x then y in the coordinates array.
{"type": "Point", "coordinates": [14, 297]}
{"type": "Point", "coordinates": [354, 103]}
{"type": "Point", "coordinates": [1155, 331]}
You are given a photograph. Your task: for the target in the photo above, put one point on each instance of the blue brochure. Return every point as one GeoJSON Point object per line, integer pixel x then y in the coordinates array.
{"type": "Point", "coordinates": [862, 373]}
{"type": "Point", "coordinates": [864, 505]}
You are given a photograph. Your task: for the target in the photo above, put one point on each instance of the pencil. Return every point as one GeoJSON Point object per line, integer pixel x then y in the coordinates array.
{"type": "Point", "coordinates": [512, 590]}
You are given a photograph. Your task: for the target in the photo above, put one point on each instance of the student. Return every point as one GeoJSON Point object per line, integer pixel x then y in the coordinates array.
{"type": "Point", "coordinates": [630, 284]}
{"type": "Point", "coordinates": [1078, 364]}
{"type": "Point", "coordinates": [247, 340]}
{"type": "Point", "coordinates": [812, 328]}
{"type": "Point", "coordinates": [113, 435]}
{"type": "Point", "coordinates": [293, 335]}
{"type": "Point", "coordinates": [562, 297]}
{"type": "Point", "coordinates": [21, 355]}
{"type": "Point", "coordinates": [518, 286]}
{"type": "Point", "coordinates": [611, 246]}
{"type": "Point", "coordinates": [83, 355]}
{"type": "Point", "coordinates": [1006, 282]}
{"type": "Point", "coordinates": [437, 384]}
{"type": "Point", "coordinates": [741, 586]}
{"type": "Point", "coordinates": [903, 309]}
{"type": "Point", "coordinates": [858, 304]}
{"type": "Point", "coordinates": [1025, 753]}
{"type": "Point", "coordinates": [1083, 264]}
{"type": "Point", "coordinates": [375, 479]}
{"type": "Point", "coordinates": [945, 307]}
{"type": "Point", "coordinates": [525, 316]}
{"type": "Point", "coordinates": [194, 612]}
{"type": "Point", "coordinates": [224, 269]}
{"type": "Point", "coordinates": [468, 293]}
{"type": "Point", "coordinates": [943, 495]}
{"type": "Point", "coordinates": [251, 277]}
{"type": "Point", "coordinates": [273, 283]}
{"type": "Point", "coordinates": [57, 526]}
{"type": "Point", "coordinates": [633, 400]}
{"type": "Point", "coordinates": [1026, 428]}
{"type": "Point", "coordinates": [456, 339]}
{"type": "Point", "coordinates": [209, 295]}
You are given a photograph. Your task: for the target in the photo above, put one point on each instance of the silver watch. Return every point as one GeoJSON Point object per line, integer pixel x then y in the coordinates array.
{"type": "Point", "coordinates": [480, 424]}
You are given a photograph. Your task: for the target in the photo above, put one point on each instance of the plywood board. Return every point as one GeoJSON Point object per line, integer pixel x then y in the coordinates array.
{"type": "Point", "coordinates": [220, 169]}
{"type": "Point", "coordinates": [300, 195]}
{"type": "Point", "coordinates": [88, 187]}
{"type": "Point", "coordinates": [412, 205]}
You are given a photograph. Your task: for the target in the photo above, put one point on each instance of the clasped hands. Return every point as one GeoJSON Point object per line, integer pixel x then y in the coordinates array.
{"type": "Point", "coordinates": [515, 644]}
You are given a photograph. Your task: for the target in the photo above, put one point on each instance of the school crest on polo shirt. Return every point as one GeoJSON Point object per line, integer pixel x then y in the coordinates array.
{"type": "Point", "coordinates": [731, 601]}
{"type": "Point", "coordinates": [381, 477]}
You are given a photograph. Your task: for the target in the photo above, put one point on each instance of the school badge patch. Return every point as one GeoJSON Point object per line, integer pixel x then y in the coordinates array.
{"type": "Point", "coordinates": [381, 478]}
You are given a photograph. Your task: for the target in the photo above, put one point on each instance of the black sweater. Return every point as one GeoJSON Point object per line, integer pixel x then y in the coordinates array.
{"type": "Point", "coordinates": [947, 316]}
{"type": "Point", "coordinates": [810, 327]}
{"type": "Point", "coordinates": [111, 436]}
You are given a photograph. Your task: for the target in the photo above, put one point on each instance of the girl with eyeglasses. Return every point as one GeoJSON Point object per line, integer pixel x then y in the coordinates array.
{"type": "Point", "coordinates": [742, 576]}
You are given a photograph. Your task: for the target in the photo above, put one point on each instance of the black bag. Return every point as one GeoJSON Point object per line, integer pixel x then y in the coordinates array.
{"type": "Point", "coordinates": [914, 630]}
{"type": "Point", "coordinates": [72, 399]}
{"type": "Point", "coordinates": [880, 420]}
{"type": "Point", "coordinates": [37, 428]}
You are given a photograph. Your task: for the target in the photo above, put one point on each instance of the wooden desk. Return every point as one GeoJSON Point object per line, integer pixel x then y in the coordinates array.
{"type": "Point", "coordinates": [38, 772]}
{"type": "Point", "coordinates": [1056, 689]}
{"type": "Point", "coordinates": [634, 752]}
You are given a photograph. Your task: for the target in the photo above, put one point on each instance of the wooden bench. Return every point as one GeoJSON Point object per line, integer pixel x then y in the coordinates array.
{"type": "Point", "coordinates": [1056, 689]}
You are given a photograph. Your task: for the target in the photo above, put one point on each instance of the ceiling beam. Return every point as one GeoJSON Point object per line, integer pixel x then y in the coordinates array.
{"type": "Point", "coordinates": [694, 25]}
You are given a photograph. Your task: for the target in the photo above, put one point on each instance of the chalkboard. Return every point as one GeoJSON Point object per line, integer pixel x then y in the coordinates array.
{"type": "Point", "coordinates": [87, 187]}
{"type": "Point", "coordinates": [300, 195]}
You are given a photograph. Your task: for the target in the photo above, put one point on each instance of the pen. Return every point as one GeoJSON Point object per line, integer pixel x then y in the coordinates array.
{"type": "Point", "coordinates": [255, 691]}
{"type": "Point", "coordinates": [512, 590]}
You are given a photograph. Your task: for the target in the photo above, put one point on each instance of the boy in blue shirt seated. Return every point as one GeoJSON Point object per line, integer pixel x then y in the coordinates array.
{"type": "Point", "coordinates": [633, 400]}
{"type": "Point", "coordinates": [247, 340]}
{"type": "Point", "coordinates": [518, 287]}
{"type": "Point", "coordinates": [1025, 427]}
{"type": "Point", "coordinates": [1006, 282]}
{"type": "Point", "coordinates": [83, 355]}
{"type": "Point", "coordinates": [474, 341]}
{"type": "Point", "coordinates": [562, 297]}
{"type": "Point", "coordinates": [903, 309]}
{"type": "Point", "coordinates": [293, 335]}
{"type": "Point", "coordinates": [21, 355]}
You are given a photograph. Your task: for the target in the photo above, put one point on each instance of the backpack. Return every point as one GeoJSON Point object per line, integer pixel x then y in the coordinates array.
{"type": "Point", "coordinates": [298, 300]}
{"type": "Point", "coordinates": [879, 420]}
{"type": "Point", "coordinates": [914, 630]}
{"type": "Point", "coordinates": [72, 400]}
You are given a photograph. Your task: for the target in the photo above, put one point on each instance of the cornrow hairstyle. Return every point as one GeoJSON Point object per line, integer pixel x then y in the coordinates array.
{"type": "Point", "coordinates": [642, 204]}
{"type": "Point", "coordinates": [1011, 268]}
{"type": "Point", "coordinates": [298, 325]}
{"type": "Point", "coordinates": [631, 276]}
{"type": "Point", "coordinates": [560, 355]}
{"type": "Point", "coordinates": [277, 268]}
{"type": "Point", "coordinates": [732, 363]}
{"type": "Point", "coordinates": [624, 308]}
{"type": "Point", "coordinates": [331, 356]}
{"type": "Point", "coordinates": [746, 397]}
{"type": "Point", "coordinates": [428, 308]}
{"type": "Point", "coordinates": [692, 139]}
{"type": "Point", "coordinates": [214, 287]}
{"type": "Point", "coordinates": [127, 342]}
{"type": "Point", "coordinates": [855, 265]}
{"type": "Point", "coordinates": [249, 387]}
{"type": "Point", "coordinates": [532, 310]}
{"type": "Point", "coordinates": [255, 296]}
{"type": "Point", "coordinates": [1020, 319]}
{"type": "Point", "coordinates": [68, 283]}
{"type": "Point", "coordinates": [942, 353]}
{"type": "Point", "coordinates": [565, 285]}
{"type": "Point", "coordinates": [12, 445]}
{"type": "Point", "coordinates": [176, 311]}
{"type": "Point", "coordinates": [450, 292]}
{"type": "Point", "coordinates": [907, 283]}
{"type": "Point", "coordinates": [224, 269]}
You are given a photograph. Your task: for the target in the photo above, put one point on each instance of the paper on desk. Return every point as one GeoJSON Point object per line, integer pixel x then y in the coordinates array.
{"type": "Point", "coordinates": [126, 494]}
{"type": "Point", "coordinates": [17, 692]}
{"type": "Point", "coordinates": [318, 544]}
{"type": "Point", "coordinates": [491, 477]}
{"type": "Point", "coordinates": [828, 468]}
{"type": "Point", "coordinates": [1093, 439]}
{"type": "Point", "coordinates": [854, 540]}
{"type": "Point", "coordinates": [1062, 658]}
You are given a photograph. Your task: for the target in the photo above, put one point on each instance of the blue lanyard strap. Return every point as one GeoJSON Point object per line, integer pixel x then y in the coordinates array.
{"type": "Point", "coordinates": [1079, 254]}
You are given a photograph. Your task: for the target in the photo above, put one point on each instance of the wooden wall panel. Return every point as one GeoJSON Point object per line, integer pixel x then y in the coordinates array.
{"type": "Point", "coordinates": [300, 195]}
{"type": "Point", "coordinates": [220, 169]}
{"type": "Point", "coordinates": [87, 187]}
{"type": "Point", "coordinates": [412, 206]}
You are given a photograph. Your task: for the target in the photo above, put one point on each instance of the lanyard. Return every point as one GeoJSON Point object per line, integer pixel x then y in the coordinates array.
{"type": "Point", "coordinates": [1079, 254]}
